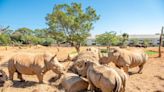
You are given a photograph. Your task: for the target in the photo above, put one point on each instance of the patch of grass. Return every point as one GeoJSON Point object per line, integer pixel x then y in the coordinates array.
{"type": "Point", "coordinates": [73, 52]}
{"type": "Point", "coordinates": [151, 52]}
{"type": "Point", "coordinates": [103, 51]}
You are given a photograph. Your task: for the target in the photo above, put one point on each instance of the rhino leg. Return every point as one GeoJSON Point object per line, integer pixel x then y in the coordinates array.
{"type": "Point", "coordinates": [140, 69]}
{"type": "Point", "coordinates": [11, 73]}
{"type": "Point", "coordinates": [40, 77]}
{"type": "Point", "coordinates": [20, 77]}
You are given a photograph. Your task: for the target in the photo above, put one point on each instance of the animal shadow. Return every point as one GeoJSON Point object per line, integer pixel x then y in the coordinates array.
{"type": "Point", "coordinates": [19, 84]}
{"type": "Point", "coordinates": [4, 64]}
{"type": "Point", "coordinates": [158, 91]}
{"type": "Point", "coordinates": [159, 77]}
{"type": "Point", "coordinates": [132, 73]}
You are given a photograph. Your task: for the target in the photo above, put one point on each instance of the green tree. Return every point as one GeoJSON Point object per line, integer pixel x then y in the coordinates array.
{"type": "Point", "coordinates": [107, 38]}
{"type": "Point", "coordinates": [23, 35]}
{"type": "Point", "coordinates": [125, 38]}
{"type": "Point", "coordinates": [73, 21]}
{"type": "Point", "coordinates": [5, 39]}
{"type": "Point", "coordinates": [5, 35]}
{"type": "Point", "coordinates": [58, 36]}
{"type": "Point", "coordinates": [146, 42]}
{"type": "Point", "coordinates": [41, 33]}
{"type": "Point", "coordinates": [135, 42]}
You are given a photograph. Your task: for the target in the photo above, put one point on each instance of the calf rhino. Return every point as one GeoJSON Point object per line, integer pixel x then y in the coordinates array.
{"type": "Point", "coordinates": [99, 76]}
{"type": "Point", "coordinates": [33, 65]}
{"type": "Point", "coordinates": [127, 58]}
{"type": "Point", "coordinates": [73, 83]}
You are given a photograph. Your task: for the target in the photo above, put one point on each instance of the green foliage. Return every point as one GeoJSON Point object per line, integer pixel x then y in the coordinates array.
{"type": "Point", "coordinates": [125, 38]}
{"type": "Point", "coordinates": [42, 33]}
{"type": "Point", "coordinates": [104, 51]}
{"type": "Point", "coordinates": [108, 38]}
{"type": "Point", "coordinates": [135, 42]}
{"type": "Point", "coordinates": [58, 36]}
{"type": "Point", "coordinates": [146, 42]}
{"type": "Point", "coordinates": [47, 41]}
{"type": "Point", "coordinates": [5, 39]}
{"type": "Point", "coordinates": [72, 21]}
{"type": "Point", "coordinates": [24, 35]}
{"type": "Point", "coordinates": [151, 52]}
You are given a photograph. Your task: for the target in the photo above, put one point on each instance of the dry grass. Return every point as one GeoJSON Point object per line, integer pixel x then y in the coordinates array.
{"type": "Point", "coordinates": [152, 79]}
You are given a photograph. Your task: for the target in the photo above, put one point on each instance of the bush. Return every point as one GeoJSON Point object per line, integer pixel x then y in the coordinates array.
{"type": "Point", "coordinates": [5, 39]}
{"type": "Point", "coordinates": [46, 41]}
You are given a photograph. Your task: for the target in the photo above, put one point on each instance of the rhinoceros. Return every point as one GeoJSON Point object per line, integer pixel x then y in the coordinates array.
{"type": "Point", "coordinates": [39, 64]}
{"type": "Point", "coordinates": [99, 76]}
{"type": "Point", "coordinates": [126, 59]}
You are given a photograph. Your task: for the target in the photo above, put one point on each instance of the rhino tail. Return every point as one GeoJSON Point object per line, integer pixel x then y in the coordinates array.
{"type": "Point", "coordinates": [118, 84]}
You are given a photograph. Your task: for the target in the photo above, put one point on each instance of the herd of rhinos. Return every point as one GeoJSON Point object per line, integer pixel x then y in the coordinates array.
{"type": "Point", "coordinates": [87, 71]}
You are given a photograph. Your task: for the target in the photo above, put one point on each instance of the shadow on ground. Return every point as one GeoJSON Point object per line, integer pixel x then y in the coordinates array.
{"type": "Point", "coordinates": [4, 64]}
{"type": "Point", "coordinates": [159, 77]}
{"type": "Point", "coordinates": [26, 84]}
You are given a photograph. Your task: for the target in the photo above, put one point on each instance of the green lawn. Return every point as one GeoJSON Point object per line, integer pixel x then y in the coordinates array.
{"type": "Point", "coordinates": [151, 52]}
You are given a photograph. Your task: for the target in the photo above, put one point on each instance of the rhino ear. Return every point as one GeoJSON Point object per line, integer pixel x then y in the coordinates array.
{"type": "Point", "coordinates": [116, 54]}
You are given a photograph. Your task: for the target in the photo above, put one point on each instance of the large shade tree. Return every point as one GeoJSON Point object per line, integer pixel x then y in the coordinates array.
{"type": "Point", "coordinates": [74, 22]}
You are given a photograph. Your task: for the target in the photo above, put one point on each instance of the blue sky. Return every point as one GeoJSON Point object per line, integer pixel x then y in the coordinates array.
{"type": "Point", "coordinates": [130, 16]}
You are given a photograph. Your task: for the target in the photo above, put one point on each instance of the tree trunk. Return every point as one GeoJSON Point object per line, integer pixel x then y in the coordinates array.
{"type": "Point", "coordinates": [77, 47]}
{"type": "Point", "coordinates": [58, 44]}
{"type": "Point", "coordinates": [160, 43]}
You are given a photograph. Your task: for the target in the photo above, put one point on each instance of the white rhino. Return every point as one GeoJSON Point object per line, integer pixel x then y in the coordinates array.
{"type": "Point", "coordinates": [127, 58]}
{"type": "Point", "coordinates": [89, 53]}
{"type": "Point", "coordinates": [28, 64]}
{"type": "Point", "coordinates": [99, 76]}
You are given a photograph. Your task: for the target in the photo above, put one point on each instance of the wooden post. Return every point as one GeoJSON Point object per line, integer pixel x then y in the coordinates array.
{"type": "Point", "coordinates": [160, 43]}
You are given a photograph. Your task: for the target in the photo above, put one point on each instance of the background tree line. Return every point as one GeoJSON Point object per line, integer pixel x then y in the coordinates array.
{"type": "Point", "coordinates": [24, 36]}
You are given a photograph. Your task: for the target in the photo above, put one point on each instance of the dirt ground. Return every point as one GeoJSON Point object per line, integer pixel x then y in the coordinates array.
{"type": "Point", "coordinates": [151, 80]}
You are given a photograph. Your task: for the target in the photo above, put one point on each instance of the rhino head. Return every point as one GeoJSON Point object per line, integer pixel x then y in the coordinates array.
{"type": "Point", "coordinates": [82, 67]}
{"type": "Point", "coordinates": [113, 54]}
{"type": "Point", "coordinates": [53, 64]}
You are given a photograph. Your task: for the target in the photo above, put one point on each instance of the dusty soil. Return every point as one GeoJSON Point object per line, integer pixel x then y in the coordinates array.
{"type": "Point", "coordinates": [152, 79]}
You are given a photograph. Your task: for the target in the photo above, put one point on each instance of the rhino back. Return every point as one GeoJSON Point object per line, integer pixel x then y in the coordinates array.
{"type": "Point", "coordinates": [27, 64]}
{"type": "Point", "coordinates": [132, 58]}
{"type": "Point", "coordinates": [100, 76]}
{"type": "Point", "coordinates": [137, 59]}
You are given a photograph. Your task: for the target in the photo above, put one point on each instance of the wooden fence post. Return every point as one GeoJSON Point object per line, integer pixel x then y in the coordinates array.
{"type": "Point", "coordinates": [160, 43]}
